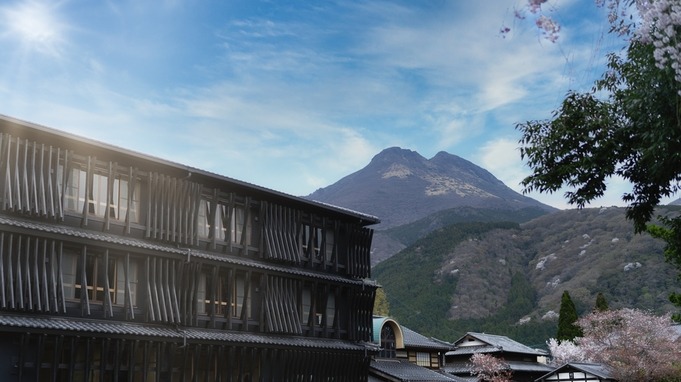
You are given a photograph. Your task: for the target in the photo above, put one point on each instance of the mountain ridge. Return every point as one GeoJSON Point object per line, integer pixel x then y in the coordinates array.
{"type": "Point", "coordinates": [400, 186]}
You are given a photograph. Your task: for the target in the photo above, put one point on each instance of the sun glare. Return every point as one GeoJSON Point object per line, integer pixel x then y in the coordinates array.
{"type": "Point", "coordinates": [34, 24]}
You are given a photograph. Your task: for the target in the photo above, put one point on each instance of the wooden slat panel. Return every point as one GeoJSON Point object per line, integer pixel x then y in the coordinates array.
{"type": "Point", "coordinates": [247, 296]}
{"type": "Point", "coordinates": [3, 297]}
{"type": "Point", "coordinates": [167, 293]}
{"type": "Point", "coordinates": [54, 286]}
{"type": "Point", "coordinates": [173, 207]}
{"type": "Point", "coordinates": [20, 285]}
{"type": "Point", "coordinates": [132, 185]}
{"type": "Point", "coordinates": [151, 310]}
{"type": "Point", "coordinates": [37, 298]}
{"type": "Point", "coordinates": [10, 275]}
{"type": "Point", "coordinates": [5, 154]}
{"type": "Point", "coordinates": [160, 290]}
{"type": "Point", "coordinates": [32, 200]}
{"type": "Point", "coordinates": [16, 205]}
{"type": "Point", "coordinates": [172, 282]}
{"type": "Point", "coordinates": [109, 196]}
{"type": "Point", "coordinates": [231, 277]}
{"type": "Point", "coordinates": [49, 189]}
{"type": "Point", "coordinates": [108, 307]}
{"type": "Point", "coordinates": [42, 201]}
{"type": "Point", "coordinates": [84, 297]}
{"type": "Point", "coordinates": [23, 174]}
{"type": "Point", "coordinates": [60, 272]}
{"type": "Point", "coordinates": [129, 308]}
{"type": "Point", "coordinates": [281, 305]}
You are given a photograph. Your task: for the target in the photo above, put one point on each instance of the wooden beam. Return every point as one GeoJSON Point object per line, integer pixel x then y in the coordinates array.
{"type": "Point", "coordinates": [84, 298]}
{"type": "Point", "coordinates": [3, 296]}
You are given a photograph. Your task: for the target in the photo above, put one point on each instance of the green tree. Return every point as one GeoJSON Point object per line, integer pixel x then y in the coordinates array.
{"type": "Point", "coordinates": [628, 125]}
{"type": "Point", "coordinates": [381, 305]}
{"type": "Point", "coordinates": [567, 319]}
{"type": "Point", "coordinates": [601, 303]}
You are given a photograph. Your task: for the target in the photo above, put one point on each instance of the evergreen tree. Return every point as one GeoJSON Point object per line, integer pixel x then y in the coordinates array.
{"type": "Point", "coordinates": [567, 318]}
{"type": "Point", "coordinates": [601, 303]}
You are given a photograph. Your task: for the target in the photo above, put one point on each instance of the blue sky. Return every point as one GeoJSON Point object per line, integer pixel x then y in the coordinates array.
{"type": "Point", "coordinates": [294, 95]}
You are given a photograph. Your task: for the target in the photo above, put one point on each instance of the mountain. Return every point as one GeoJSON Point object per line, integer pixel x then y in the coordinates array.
{"type": "Point", "coordinates": [400, 186]}
{"type": "Point", "coordinates": [413, 195]}
{"type": "Point", "coordinates": [508, 278]}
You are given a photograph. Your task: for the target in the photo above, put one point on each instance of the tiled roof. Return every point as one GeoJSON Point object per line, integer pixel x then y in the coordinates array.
{"type": "Point", "coordinates": [536, 367]}
{"type": "Point", "coordinates": [495, 343]}
{"type": "Point", "coordinates": [130, 242]}
{"type": "Point", "coordinates": [416, 340]}
{"type": "Point", "coordinates": [115, 328]}
{"type": "Point", "coordinates": [599, 370]}
{"type": "Point", "coordinates": [464, 367]}
{"type": "Point", "coordinates": [405, 371]}
{"type": "Point", "coordinates": [474, 349]}
{"type": "Point", "coordinates": [457, 367]}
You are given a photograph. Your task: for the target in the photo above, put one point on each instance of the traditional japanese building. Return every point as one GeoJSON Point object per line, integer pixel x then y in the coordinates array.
{"type": "Point", "coordinates": [407, 356]}
{"type": "Point", "coordinates": [525, 363]}
{"type": "Point", "coordinates": [118, 266]}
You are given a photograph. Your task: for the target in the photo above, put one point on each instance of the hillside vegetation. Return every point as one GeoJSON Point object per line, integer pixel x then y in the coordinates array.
{"type": "Point", "coordinates": [507, 278]}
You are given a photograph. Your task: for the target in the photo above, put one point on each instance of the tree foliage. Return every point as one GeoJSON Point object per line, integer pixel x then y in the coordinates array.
{"type": "Point", "coordinates": [635, 345]}
{"type": "Point", "coordinates": [489, 368]}
{"type": "Point", "coordinates": [601, 303]}
{"type": "Point", "coordinates": [381, 304]}
{"type": "Point", "coordinates": [567, 319]}
{"type": "Point", "coordinates": [629, 126]}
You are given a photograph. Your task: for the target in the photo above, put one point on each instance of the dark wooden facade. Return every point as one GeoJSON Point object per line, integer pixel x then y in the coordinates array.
{"type": "Point", "coordinates": [116, 266]}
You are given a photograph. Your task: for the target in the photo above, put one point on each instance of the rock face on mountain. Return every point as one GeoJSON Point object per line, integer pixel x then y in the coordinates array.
{"type": "Point", "coordinates": [400, 186]}
{"type": "Point", "coordinates": [509, 279]}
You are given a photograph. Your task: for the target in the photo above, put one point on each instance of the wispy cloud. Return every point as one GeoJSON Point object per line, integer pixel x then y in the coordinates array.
{"type": "Point", "coordinates": [289, 96]}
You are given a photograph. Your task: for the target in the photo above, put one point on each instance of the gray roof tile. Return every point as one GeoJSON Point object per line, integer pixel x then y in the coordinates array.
{"type": "Point", "coordinates": [116, 328]}
{"type": "Point", "coordinates": [416, 340]}
{"type": "Point", "coordinates": [405, 371]}
{"type": "Point", "coordinates": [495, 343]}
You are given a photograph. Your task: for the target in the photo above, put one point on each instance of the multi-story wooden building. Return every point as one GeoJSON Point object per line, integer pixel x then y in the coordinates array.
{"type": "Point", "coordinates": [117, 266]}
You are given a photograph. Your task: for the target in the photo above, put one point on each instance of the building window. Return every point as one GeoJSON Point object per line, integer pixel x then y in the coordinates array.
{"type": "Point", "coordinates": [388, 342]}
{"type": "Point", "coordinates": [77, 194]}
{"type": "Point", "coordinates": [98, 273]}
{"type": "Point", "coordinates": [328, 248]}
{"type": "Point", "coordinates": [239, 295]}
{"type": "Point", "coordinates": [330, 309]}
{"type": "Point", "coordinates": [206, 223]}
{"type": "Point", "coordinates": [203, 295]}
{"type": "Point", "coordinates": [423, 359]}
{"type": "Point", "coordinates": [311, 236]}
{"type": "Point", "coordinates": [306, 304]}
{"type": "Point", "coordinates": [242, 225]}
{"type": "Point", "coordinates": [118, 207]}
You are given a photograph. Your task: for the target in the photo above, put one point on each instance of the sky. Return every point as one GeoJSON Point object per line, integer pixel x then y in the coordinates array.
{"type": "Point", "coordinates": [295, 95]}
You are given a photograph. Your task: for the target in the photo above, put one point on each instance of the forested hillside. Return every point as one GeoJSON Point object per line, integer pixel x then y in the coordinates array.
{"type": "Point", "coordinates": [507, 278]}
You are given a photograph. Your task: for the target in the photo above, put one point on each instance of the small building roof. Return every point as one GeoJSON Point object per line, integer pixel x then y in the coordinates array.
{"type": "Point", "coordinates": [592, 370]}
{"type": "Point", "coordinates": [490, 343]}
{"type": "Point", "coordinates": [413, 339]}
{"type": "Point", "coordinates": [407, 338]}
{"type": "Point", "coordinates": [402, 370]}
{"type": "Point", "coordinates": [515, 366]}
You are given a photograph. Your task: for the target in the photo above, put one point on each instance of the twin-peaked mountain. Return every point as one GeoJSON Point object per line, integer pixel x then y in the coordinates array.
{"type": "Point", "coordinates": [412, 196]}
{"type": "Point", "coordinates": [400, 186]}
